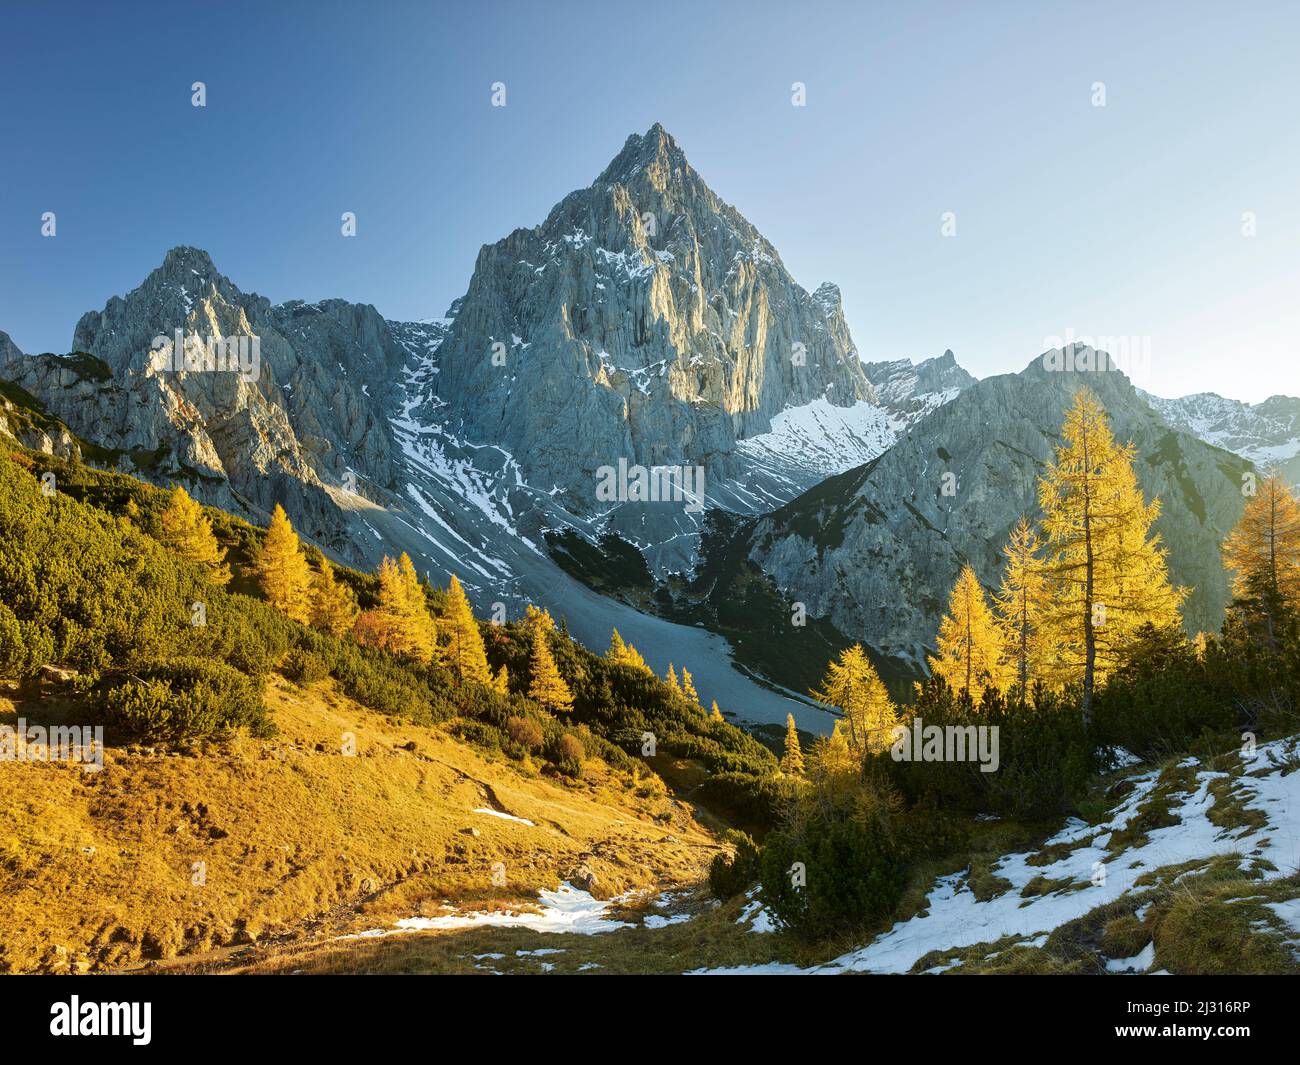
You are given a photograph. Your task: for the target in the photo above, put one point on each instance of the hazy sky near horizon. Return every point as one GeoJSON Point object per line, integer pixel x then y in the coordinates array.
{"type": "Point", "coordinates": [1071, 219]}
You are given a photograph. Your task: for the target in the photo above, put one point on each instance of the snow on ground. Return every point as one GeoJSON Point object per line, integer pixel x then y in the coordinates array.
{"type": "Point", "coordinates": [755, 915]}
{"type": "Point", "coordinates": [1139, 963]}
{"type": "Point", "coordinates": [503, 815]}
{"type": "Point", "coordinates": [658, 920]}
{"type": "Point", "coordinates": [568, 909]}
{"type": "Point", "coordinates": [1289, 911]}
{"type": "Point", "coordinates": [954, 918]}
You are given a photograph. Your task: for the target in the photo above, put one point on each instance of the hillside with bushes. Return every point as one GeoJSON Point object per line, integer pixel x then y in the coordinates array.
{"type": "Point", "coordinates": [225, 661]}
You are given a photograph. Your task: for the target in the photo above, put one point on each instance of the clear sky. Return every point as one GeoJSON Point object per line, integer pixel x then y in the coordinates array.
{"type": "Point", "coordinates": [1122, 220]}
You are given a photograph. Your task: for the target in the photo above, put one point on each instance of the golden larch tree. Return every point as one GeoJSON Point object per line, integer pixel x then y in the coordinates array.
{"type": "Point", "coordinates": [282, 569]}
{"type": "Point", "coordinates": [715, 713]}
{"type": "Point", "coordinates": [624, 654]}
{"type": "Point", "coordinates": [1263, 553]}
{"type": "Point", "coordinates": [688, 687]}
{"type": "Point", "coordinates": [852, 685]}
{"type": "Point", "coordinates": [970, 651]}
{"type": "Point", "coordinates": [1105, 570]}
{"type": "Point", "coordinates": [187, 531]}
{"type": "Point", "coordinates": [535, 618]}
{"type": "Point", "coordinates": [1020, 606]}
{"type": "Point", "coordinates": [401, 623]}
{"type": "Point", "coordinates": [670, 678]}
{"type": "Point", "coordinates": [501, 680]}
{"type": "Point", "coordinates": [792, 758]}
{"type": "Point", "coordinates": [546, 685]}
{"type": "Point", "coordinates": [463, 649]}
{"type": "Point", "coordinates": [333, 603]}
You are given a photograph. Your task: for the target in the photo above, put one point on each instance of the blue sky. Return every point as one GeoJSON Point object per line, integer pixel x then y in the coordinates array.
{"type": "Point", "coordinates": [1123, 220]}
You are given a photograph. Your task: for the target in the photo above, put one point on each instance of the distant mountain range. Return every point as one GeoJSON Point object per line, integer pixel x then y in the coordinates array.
{"type": "Point", "coordinates": [643, 323]}
{"type": "Point", "coordinates": [1267, 433]}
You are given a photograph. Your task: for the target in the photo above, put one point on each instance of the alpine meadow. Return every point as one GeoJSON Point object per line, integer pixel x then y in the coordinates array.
{"type": "Point", "coordinates": [649, 611]}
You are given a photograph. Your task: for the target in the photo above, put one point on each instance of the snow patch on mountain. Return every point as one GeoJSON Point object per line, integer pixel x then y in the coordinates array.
{"type": "Point", "coordinates": [822, 439]}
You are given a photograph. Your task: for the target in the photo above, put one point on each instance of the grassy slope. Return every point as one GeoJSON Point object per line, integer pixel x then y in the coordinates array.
{"type": "Point", "coordinates": [96, 868]}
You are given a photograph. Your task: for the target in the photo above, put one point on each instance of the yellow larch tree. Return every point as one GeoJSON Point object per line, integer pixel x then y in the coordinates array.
{"type": "Point", "coordinates": [852, 685]}
{"type": "Point", "coordinates": [832, 756]}
{"type": "Point", "coordinates": [333, 603]}
{"type": "Point", "coordinates": [670, 678]}
{"type": "Point", "coordinates": [546, 685]}
{"type": "Point", "coordinates": [463, 650]}
{"type": "Point", "coordinates": [1263, 553]}
{"type": "Point", "coordinates": [715, 713]}
{"type": "Point", "coordinates": [970, 651]}
{"type": "Point", "coordinates": [501, 681]}
{"type": "Point", "coordinates": [538, 619]}
{"type": "Point", "coordinates": [1105, 570]}
{"type": "Point", "coordinates": [624, 654]}
{"type": "Point", "coordinates": [282, 569]}
{"type": "Point", "coordinates": [792, 758]}
{"type": "Point", "coordinates": [401, 624]}
{"type": "Point", "coordinates": [688, 687]}
{"type": "Point", "coordinates": [1020, 607]}
{"type": "Point", "coordinates": [188, 532]}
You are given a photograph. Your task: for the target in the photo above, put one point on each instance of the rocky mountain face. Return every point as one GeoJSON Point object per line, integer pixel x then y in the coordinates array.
{"type": "Point", "coordinates": [23, 416]}
{"type": "Point", "coordinates": [910, 391]}
{"type": "Point", "coordinates": [302, 416]}
{"type": "Point", "coordinates": [644, 320]}
{"type": "Point", "coordinates": [1267, 433]}
{"type": "Point", "coordinates": [876, 549]}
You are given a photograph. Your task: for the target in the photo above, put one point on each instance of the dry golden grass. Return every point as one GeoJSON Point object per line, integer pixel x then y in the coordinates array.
{"type": "Point", "coordinates": [299, 842]}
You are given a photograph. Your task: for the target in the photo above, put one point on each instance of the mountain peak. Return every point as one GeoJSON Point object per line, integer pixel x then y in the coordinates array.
{"type": "Point", "coordinates": [655, 149]}
{"type": "Point", "coordinates": [185, 256]}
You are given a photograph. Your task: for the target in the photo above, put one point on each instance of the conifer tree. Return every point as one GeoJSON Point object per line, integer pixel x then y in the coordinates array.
{"type": "Point", "coordinates": [716, 714]}
{"type": "Point", "coordinates": [832, 755]}
{"type": "Point", "coordinates": [501, 682]}
{"type": "Point", "coordinates": [333, 603]}
{"type": "Point", "coordinates": [792, 759]}
{"type": "Point", "coordinates": [671, 679]}
{"type": "Point", "coordinates": [1020, 607]}
{"type": "Point", "coordinates": [535, 618]}
{"type": "Point", "coordinates": [401, 624]}
{"type": "Point", "coordinates": [688, 687]}
{"type": "Point", "coordinates": [547, 686]}
{"type": "Point", "coordinates": [852, 684]}
{"type": "Point", "coordinates": [1263, 552]}
{"type": "Point", "coordinates": [624, 654]}
{"type": "Point", "coordinates": [282, 569]}
{"type": "Point", "coordinates": [1105, 570]}
{"type": "Point", "coordinates": [463, 648]}
{"type": "Point", "coordinates": [970, 655]}
{"type": "Point", "coordinates": [188, 532]}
